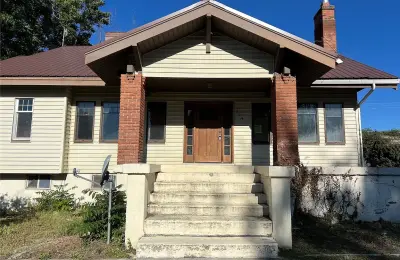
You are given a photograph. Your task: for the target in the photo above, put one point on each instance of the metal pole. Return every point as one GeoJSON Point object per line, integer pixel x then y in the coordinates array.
{"type": "Point", "coordinates": [110, 182]}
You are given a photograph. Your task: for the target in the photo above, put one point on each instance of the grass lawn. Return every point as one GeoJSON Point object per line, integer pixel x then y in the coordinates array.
{"type": "Point", "coordinates": [48, 235]}
{"type": "Point", "coordinates": [313, 237]}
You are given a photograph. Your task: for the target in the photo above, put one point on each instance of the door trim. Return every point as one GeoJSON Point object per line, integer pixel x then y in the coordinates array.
{"type": "Point", "coordinates": [192, 105]}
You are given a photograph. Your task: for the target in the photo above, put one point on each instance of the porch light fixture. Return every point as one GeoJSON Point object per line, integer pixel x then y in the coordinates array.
{"type": "Point", "coordinates": [129, 69]}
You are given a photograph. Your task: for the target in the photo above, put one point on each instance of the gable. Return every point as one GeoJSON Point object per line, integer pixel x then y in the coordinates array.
{"type": "Point", "coordinates": [187, 58]}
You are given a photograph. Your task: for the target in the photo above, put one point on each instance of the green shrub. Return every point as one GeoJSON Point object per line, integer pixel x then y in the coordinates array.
{"type": "Point", "coordinates": [60, 199]}
{"type": "Point", "coordinates": [382, 149]}
{"type": "Point", "coordinates": [95, 216]}
{"type": "Point", "coordinates": [14, 206]}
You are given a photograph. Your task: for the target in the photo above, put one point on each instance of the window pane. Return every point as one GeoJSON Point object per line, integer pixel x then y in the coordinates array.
{"type": "Point", "coordinates": [156, 120]}
{"type": "Point", "coordinates": [110, 121]}
{"type": "Point", "coordinates": [333, 110]}
{"type": "Point", "coordinates": [227, 140]}
{"type": "Point", "coordinates": [85, 111]}
{"type": "Point", "coordinates": [227, 131]}
{"type": "Point", "coordinates": [190, 131]}
{"type": "Point", "coordinates": [96, 178]}
{"type": "Point", "coordinates": [334, 129]}
{"type": "Point", "coordinates": [307, 122]}
{"type": "Point", "coordinates": [24, 123]}
{"type": "Point", "coordinates": [307, 128]}
{"type": "Point", "coordinates": [44, 181]}
{"type": "Point", "coordinates": [25, 104]}
{"type": "Point", "coordinates": [261, 127]}
{"type": "Point", "coordinates": [334, 123]}
{"type": "Point", "coordinates": [32, 181]}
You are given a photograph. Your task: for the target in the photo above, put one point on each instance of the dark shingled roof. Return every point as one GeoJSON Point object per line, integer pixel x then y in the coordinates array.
{"type": "Point", "coordinates": [66, 61]}
{"type": "Point", "coordinates": [70, 62]}
{"type": "Point", "coordinates": [351, 69]}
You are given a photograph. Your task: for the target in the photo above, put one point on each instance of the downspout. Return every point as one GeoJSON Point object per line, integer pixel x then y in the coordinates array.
{"type": "Point", "coordinates": [358, 111]}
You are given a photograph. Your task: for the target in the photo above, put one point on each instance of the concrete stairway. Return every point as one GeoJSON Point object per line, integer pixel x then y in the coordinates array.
{"type": "Point", "coordinates": [207, 215]}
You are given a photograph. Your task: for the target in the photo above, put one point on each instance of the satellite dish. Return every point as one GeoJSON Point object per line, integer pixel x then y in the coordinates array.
{"type": "Point", "coordinates": [105, 175]}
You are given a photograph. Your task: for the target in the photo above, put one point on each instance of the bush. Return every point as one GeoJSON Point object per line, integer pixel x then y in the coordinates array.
{"type": "Point", "coordinates": [95, 216]}
{"type": "Point", "coordinates": [13, 206]}
{"type": "Point", "coordinates": [60, 199]}
{"type": "Point", "coordinates": [382, 149]}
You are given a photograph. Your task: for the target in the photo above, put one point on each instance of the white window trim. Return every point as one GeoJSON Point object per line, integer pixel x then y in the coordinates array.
{"type": "Point", "coordinates": [15, 121]}
{"type": "Point", "coordinates": [37, 186]}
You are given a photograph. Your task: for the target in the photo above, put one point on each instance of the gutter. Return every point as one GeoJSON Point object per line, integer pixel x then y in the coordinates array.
{"type": "Point", "coordinates": [356, 83]}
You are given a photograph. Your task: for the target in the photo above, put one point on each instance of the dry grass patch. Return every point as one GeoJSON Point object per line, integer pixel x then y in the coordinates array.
{"type": "Point", "coordinates": [51, 235]}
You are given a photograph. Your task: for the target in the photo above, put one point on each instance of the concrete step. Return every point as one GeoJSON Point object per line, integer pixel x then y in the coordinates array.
{"type": "Point", "coordinates": [207, 168]}
{"type": "Point", "coordinates": [206, 247]}
{"type": "Point", "coordinates": [208, 210]}
{"type": "Point", "coordinates": [208, 177]}
{"type": "Point", "coordinates": [208, 187]}
{"type": "Point", "coordinates": [181, 225]}
{"type": "Point", "coordinates": [202, 198]}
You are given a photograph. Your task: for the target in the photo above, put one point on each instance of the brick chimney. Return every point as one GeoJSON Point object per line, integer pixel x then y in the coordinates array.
{"type": "Point", "coordinates": [325, 26]}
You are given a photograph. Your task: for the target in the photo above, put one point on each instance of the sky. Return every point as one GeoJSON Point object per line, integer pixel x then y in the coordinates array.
{"type": "Point", "coordinates": [367, 31]}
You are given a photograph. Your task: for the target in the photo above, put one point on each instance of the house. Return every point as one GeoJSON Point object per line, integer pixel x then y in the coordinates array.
{"type": "Point", "coordinates": [201, 111]}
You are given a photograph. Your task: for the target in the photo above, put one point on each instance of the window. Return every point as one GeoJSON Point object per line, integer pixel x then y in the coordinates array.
{"type": "Point", "coordinates": [156, 120]}
{"type": "Point", "coordinates": [308, 123]}
{"type": "Point", "coordinates": [23, 119]}
{"type": "Point", "coordinates": [97, 178]}
{"type": "Point", "coordinates": [84, 121]}
{"type": "Point", "coordinates": [110, 121]}
{"type": "Point", "coordinates": [261, 127]}
{"type": "Point", "coordinates": [334, 128]}
{"type": "Point", "coordinates": [38, 182]}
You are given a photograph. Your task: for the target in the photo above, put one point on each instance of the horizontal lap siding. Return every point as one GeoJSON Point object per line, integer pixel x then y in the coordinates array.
{"type": "Point", "coordinates": [187, 58]}
{"type": "Point", "coordinates": [43, 153]}
{"type": "Point", "coordinates": [170, 152]}
{"type": "Point", "coordinates": [88, 157]}
{"type": "Point", "coordinates": [324, 154]}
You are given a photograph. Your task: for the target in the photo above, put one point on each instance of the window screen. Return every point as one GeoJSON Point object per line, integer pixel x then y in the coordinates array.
{"type": "Point", "coordinates": [110, 121]}
{"type": "Point", "coordinates": [261, 125]}
{"type": "Point", "coordinates": [334, 123]}
{"type": "Point", "coordinates": [308, 123]}
{"type": "Point", "coordinates": [156, 121]}
{"type": "Point", "coordinates": [84, 120]}
{"type": "Point", "coordinates": [23, 118]}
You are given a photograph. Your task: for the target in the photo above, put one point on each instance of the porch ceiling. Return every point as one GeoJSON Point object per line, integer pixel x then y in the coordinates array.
{"type": "Point", "coordinates": [207, 85]}
{"type": "Point", "coordinates": [109, 59]}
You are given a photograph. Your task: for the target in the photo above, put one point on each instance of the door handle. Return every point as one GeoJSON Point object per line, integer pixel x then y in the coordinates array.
{"type": "Point", "coordinates": [219, 138]}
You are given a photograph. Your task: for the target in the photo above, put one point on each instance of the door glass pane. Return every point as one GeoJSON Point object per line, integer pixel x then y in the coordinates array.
{"type": "Point", "coordinates": [189, 140]}
{"type": "Point", "coordinates": [227, 150]}
{"type": "Point", "coordinates": [189, 150]}
{"type": "Point", "coordinates": [227, 140]}
{"type": "Point", "coordinates": [227, 131]}
{"type": "Point", "coordinates": [190, 131]}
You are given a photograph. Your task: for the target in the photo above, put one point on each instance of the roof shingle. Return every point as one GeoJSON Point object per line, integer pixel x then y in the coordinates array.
{"type": "Point", "coordinates": [70, 62]}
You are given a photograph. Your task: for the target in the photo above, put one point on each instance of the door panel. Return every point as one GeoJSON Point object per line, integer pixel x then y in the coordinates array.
{"type": "Point", "coordinates": [208, 126]}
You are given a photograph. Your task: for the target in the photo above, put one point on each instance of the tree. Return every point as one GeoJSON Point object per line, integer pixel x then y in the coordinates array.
{"type": "Point", "coordinates": [31, 26]}
{"type": "Point", "coordinates": [382, 149]}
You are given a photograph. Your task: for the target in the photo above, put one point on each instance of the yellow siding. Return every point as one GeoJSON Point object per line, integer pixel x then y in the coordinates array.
{"type": "Point", "coordinates": [88, 157]}
{"type": "Point", "coordinates": [171, 152]}
{"type": "Point", "coordinates": [43, 153]}
{"type": "Point", "coordinates": [187, 58]}
{"type": "Point", "coordinates": [324, 154]}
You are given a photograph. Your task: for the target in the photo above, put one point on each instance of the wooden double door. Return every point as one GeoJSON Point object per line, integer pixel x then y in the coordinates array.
{"type": "Point", "coordinates": [208, 132]}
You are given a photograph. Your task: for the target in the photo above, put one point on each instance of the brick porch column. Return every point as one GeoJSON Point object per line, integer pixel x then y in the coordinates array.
{"type": "Point", "coordinates": [131, 119]}
{"type": "Point", "coordinates": [284, 120]}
